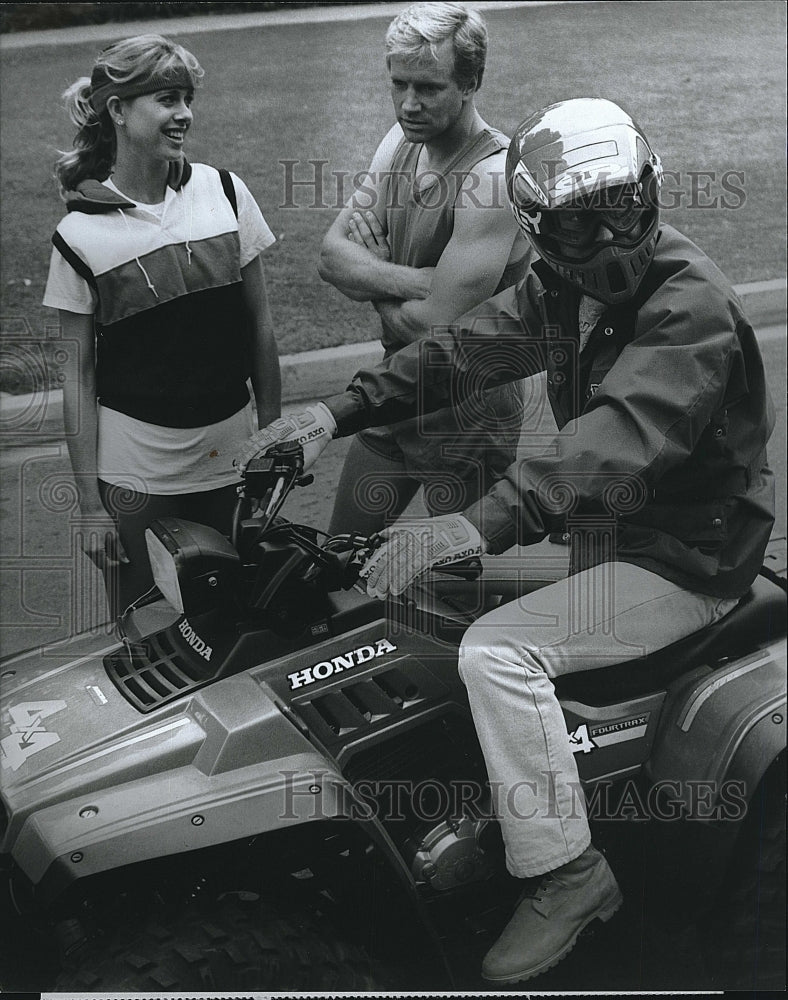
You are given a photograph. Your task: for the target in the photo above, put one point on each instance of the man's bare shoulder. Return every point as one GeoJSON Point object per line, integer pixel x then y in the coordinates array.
{"type": "Point", "coordinates": [493, 165]}
{"type": "Point", "coordinates": [484, 185]}
{"type": "Point", "coordinates": [384, 154]}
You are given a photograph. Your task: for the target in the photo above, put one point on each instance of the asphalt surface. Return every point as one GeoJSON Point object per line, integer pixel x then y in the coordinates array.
{"type": "Point", "coordinates": [49, 592]}
{"type": "Point", "coordinates": [233, 22]}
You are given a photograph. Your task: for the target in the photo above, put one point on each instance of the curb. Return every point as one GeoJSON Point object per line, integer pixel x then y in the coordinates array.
{"type": "Point", "coordinates": [764, 302]}
{"type": "Point", "coordinates": [314, 375]}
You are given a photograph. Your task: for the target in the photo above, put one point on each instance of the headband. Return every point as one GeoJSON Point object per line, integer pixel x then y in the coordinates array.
{"type": "Point", "coordinates": [176, 77]}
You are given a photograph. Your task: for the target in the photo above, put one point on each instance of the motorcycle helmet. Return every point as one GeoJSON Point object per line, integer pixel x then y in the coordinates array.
{"type": "Point", "coordinates": [584, 186]}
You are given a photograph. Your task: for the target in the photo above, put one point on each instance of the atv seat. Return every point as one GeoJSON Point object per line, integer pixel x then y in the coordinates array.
{"type": "Point", "coordinates": [759, 617]}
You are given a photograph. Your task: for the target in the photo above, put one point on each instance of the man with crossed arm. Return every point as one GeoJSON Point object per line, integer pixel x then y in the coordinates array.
{"type": "Point", "coordinates": [428, 237]}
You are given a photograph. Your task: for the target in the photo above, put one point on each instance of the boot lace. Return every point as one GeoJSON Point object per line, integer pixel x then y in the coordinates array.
{"type": "Point", "coordinates": [539, 887]}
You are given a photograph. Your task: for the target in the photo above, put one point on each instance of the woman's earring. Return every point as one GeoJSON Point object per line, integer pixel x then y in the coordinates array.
{"type": "Point", "coordinates": [120, 122]}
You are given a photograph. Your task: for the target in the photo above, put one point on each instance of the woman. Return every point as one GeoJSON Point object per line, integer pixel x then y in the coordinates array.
{"type": "Point", "coordinates": [157, 276]}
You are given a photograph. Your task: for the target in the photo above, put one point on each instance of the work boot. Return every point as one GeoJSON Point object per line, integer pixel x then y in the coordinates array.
{"type": "Point", "coordinates": [545, 925]}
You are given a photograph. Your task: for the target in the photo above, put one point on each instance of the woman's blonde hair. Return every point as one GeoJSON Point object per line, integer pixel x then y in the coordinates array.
{"type": "Point", "coordinates": [129, 67]}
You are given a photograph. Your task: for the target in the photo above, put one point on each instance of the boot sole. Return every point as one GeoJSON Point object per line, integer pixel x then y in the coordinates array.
{"type": "Point", "coordinates": [604, 914]}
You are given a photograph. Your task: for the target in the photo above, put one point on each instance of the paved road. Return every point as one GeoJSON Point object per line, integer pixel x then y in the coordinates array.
{"type": "Point", "coordinates": [229, 22]}
{"type": "Point", "coordinates": [48, 593]}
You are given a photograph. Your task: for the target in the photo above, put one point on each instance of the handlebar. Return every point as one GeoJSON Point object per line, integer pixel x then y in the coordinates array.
{"type": "Point", "coordinates": [269, 479]}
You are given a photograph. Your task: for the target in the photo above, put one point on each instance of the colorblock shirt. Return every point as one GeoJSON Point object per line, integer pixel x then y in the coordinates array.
{"type": "Point", "coordinates": [163, 283]}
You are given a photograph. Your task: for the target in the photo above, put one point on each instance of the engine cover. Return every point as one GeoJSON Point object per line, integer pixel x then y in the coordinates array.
{"type": "Point", "coordinates": [449, 855]}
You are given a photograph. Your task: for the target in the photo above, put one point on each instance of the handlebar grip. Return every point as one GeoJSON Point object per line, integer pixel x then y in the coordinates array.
{"type": "Point", "coordinates": [375, 541]}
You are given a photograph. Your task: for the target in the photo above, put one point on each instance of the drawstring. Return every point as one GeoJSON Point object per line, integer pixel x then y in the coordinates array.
{"type": "Point", "coordinates": [175, 177]}
{"type": "Point", "coordinates": [188, 248]}
{"type": "Point", "coordinates": [139, 262]}
{"type": "Point", "coordinates": [191, 218]}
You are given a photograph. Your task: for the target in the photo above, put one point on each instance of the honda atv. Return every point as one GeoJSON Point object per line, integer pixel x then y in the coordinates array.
{"type": "Point", "coordinates": [271, 781]}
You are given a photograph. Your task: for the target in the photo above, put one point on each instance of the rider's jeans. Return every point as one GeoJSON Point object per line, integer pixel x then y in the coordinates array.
{"type": "Point", "coordinates": [608, 614]}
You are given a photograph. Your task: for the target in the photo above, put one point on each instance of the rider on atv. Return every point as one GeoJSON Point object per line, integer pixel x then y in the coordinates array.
{"type": "Point", "coordinates": [658, 473]}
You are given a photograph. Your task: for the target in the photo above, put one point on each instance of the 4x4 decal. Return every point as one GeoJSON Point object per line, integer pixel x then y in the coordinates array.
{"type": "Point", "coordinates": [587, 738]}
{"type": "Point", "coordinates": [580, 740]}
{"type": "Point", "coordinates": [28, 735]}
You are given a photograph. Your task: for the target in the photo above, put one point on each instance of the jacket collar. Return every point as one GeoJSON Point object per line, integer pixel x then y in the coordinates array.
{"type": "Point", "coordinates": [550, 280]}
{"type": "Point", "coordinates": [180, 174]}
{"type": "Point", "coordinates": [94, 198]}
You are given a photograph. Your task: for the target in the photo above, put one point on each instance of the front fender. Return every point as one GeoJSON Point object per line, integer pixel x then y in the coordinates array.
{"type": "Point", "coordinates": [241, 768]}
{"type": "Point", "coordinates": [184, 810]}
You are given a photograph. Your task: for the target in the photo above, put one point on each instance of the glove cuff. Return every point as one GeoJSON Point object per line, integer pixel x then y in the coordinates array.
{"type": "Point", "coordinates": [473, 532]}
{"type": "Point", "coordinates": [326, 417]}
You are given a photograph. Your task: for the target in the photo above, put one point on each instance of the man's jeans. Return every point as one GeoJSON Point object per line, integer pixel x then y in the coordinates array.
{"type": "Point", "coordinates": [608, 614]}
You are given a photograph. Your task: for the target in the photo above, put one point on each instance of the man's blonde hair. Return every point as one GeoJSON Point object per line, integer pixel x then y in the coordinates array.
{"type": "Point", "coordinates": [423, 26]}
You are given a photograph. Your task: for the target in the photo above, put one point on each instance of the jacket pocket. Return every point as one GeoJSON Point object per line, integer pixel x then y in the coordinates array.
{"type": "Point", "coordinates": [699, 525]}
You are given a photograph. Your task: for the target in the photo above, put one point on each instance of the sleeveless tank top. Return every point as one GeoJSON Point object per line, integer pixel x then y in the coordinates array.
{"type": "Point", "coordinates": [420, 219]}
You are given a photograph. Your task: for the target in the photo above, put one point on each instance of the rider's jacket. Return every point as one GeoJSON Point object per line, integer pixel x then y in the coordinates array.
{"type": "Point", "coordinates": [663, 419]}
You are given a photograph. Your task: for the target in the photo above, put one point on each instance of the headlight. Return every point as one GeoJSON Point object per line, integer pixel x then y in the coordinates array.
{"type": "Point", "coordinates": [194, 566]}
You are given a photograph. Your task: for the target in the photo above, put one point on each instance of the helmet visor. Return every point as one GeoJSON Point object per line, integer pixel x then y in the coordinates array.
{"type": "Point", "coordinates": [620, 210]}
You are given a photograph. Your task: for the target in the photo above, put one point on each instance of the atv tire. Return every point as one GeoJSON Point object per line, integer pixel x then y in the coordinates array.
{"type": "Point", "coordinates": [745, 937]}
{"type": "Point", "coordinates": [236, 946]}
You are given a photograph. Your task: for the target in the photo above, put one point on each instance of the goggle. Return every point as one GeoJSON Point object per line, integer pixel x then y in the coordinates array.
{"type": "Point", "coordinates": [619, 209]}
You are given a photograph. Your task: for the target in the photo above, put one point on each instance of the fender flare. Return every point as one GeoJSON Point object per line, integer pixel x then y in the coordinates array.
{"type": "Point", "coordinates": [761, 746]}
{"type": "Point", "coordinates": [155, 817]}
{"type": "Point", "coordinates": [740, 711]}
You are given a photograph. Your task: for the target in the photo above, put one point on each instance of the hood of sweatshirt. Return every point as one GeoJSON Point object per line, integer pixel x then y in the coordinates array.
{"type": "Point", "coordinates": [92, 197]}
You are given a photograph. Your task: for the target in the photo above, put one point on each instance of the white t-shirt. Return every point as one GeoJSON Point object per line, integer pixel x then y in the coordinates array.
{"type": "Point", "coordinates": [173, 218]}
{"type": "Point", "coordinates": [148, 458]}
{"type": "Point", "coordinates": [164, 460]}
{"type": "Point", "coordinates": [590, 311]}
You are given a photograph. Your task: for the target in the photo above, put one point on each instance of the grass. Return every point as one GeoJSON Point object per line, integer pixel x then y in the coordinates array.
{"type": "Point", "coordinates": [706, 80]}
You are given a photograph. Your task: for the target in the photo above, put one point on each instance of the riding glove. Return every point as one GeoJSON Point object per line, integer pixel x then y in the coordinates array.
{"type": "Point", "coordinates": [413, 546]}
{"type": "Point", "coordinates": [313, 428]}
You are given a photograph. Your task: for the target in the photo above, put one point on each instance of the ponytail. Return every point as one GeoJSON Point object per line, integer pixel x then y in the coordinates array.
{"type": "Point", "coordinates": [128, 68]}
{"type": "Point", "coordinates": [94, 144]}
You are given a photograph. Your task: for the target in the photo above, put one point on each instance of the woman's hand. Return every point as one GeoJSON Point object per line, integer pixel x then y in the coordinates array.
{"type": "Point", "coordinates": [100, 541]}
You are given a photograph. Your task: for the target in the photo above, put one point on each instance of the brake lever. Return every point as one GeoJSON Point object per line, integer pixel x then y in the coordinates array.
{"type": "Point", "coordinates": [349, 553]}
{"type": "Point", "coordinates": [361, 556]}
{"type": "Point", "coordinates": [277, 497]}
